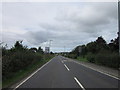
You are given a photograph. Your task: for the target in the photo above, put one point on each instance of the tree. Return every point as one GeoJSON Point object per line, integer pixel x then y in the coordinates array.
{"type": "Point", "coordinates": [4, 50]}
{"type": "Point", "coordinates": [114, 44]}
{"type": "Point", "coordinates": [18, 45]}
{"type": "Point", "coordinates": [51, 52]}
{"type": "Point", "coordinates": [33, 49]}
{"type": "Point", "coordinates": [91, 47]}
{"type": "Point", "coordinates": [40, 50]}
{"type": "Point", "coordinates": [75, 51]}
{"type": "Point", "coordinates": [100, 40]}
{"type": "Point", "coordinates": [101, 44]}
{"type": "Point", "coordinates": [83, 51]}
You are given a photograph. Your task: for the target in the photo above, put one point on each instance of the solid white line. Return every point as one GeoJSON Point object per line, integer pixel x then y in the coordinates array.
{"type": "Point", "coordinates": [79, 83]}
{"type": "Point", "coordinates": [32, 75]}
{"type": "Point", "coordinates": [98, 71]}
{"type": "Point", "coordinates": [67, 67]}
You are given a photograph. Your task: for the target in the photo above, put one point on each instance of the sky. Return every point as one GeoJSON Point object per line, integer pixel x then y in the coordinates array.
{"type": "Point", "coordinates": [67, 24]}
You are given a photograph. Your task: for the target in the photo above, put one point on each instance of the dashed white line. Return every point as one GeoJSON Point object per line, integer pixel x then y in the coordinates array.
{"type": "Point", "coordinates": [62, 61]}
{"type": "Point", "coordinates": [98, 71]}
{"type": "Point", "coordinates": [67, 67]}
{"type": "Point", "coordinates": [79, 83]}
{"type": "Point", "coordinates": [31, 75]}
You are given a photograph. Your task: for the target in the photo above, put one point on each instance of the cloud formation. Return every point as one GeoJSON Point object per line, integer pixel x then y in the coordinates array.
{"type": "Point", "coordinates": [67, 24]}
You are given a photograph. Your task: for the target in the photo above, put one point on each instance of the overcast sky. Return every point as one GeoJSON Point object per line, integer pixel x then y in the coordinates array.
{"type": "Point", "coordinates": [68, 24]}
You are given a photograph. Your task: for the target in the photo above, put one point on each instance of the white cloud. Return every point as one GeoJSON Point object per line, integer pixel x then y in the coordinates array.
{"type": "Point", "coordinates": [67, 24]}
{"type": "Point", "coordinates": [59, 1]}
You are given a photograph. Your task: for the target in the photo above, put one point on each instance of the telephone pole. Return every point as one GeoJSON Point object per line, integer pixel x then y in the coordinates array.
{"type": "Point", "coordinates": [50, 43]}
{"type": "Point", "coordinates": [119, 23]}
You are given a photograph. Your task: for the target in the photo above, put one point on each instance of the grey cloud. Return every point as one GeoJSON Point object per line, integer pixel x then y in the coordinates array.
{"type": "Point", "coordinates": [67, 25]}
{"type": "Point", "coordinates": [59, 39]}
{"type": "Point", "coordinates": [92, 17]}
{"type": "Point", "coordinates": [36, 37]}
{"type": "Point", "coordinates": [70, 29]}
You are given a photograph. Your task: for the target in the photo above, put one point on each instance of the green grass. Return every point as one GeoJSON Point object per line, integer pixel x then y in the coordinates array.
{"type": "Point", "coordinates": [23, 73]}
{"type": "Point", "coordinates": [82, 59]}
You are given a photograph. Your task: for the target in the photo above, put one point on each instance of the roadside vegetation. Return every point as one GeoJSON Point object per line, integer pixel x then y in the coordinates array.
{"type": "Point", "coordinates": [98, 52]}
{"type": "Point", "coordinates": [19, 61]}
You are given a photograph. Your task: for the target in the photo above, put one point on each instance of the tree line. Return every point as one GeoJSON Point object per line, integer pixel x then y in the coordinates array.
{"type": "Point", "coordinates": [99, 52]}
{"type": "Point", "coordinates": [19, 57]}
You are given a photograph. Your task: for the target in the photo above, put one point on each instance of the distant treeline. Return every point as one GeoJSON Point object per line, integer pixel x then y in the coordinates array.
{"type": "Point", "coordinates": [19, 57]}
{"type": "Point", "coordinates": [99, 52]}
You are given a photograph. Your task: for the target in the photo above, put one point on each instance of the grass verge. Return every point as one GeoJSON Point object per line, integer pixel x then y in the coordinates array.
{"type": "Point", "coordinates": [24, 73]}
{"type": "Point", "coordinates": [82, 59]}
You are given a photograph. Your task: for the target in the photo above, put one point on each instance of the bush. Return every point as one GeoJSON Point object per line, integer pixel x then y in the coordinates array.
{"type": "Point", "coordinates": [17, 61]}
{"type": "Point", "coordinates": [19, 58]}
{"type": "Point", "coordinates": [108, 59]}
{"type": "Point", "coordinates": [72, 56]}
{"type": "Point", "coordinates": [90, 57]}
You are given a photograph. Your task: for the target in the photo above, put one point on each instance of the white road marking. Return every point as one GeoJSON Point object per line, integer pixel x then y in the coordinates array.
{"type": "Point", "coordinates": [97, 70]}
{"type": "Point", "coordinates": [32, 75]}
{"type": "Point", "coordinates": [62, 61]}
{"type": "Point", "coordinates": [67, 67]}
{"type": "Point", "coordinates": [65, 60]}
{"type": "Point", "coordinates": [79, 83]}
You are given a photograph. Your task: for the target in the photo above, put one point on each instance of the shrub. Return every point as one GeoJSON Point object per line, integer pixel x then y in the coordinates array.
{"type": "Point", "coordinates": [108, 59]}
{"type": "Point", "coordinates": [72, 56]}
{"type": "Point", "coordinates": [90, 57]}
{"type": "Point", "coordinates": [17, 61]}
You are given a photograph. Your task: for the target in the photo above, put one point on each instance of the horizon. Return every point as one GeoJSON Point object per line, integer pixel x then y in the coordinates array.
{"type": "Point", "coordinates": [68, 24]}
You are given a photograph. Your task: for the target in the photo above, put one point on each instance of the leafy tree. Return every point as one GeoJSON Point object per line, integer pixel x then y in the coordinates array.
{"type": "Point", "coordinates": [40, 50]}
{"type": "Point", "coordinates": [4, 50]}
{"type": "Point", "coordinates": [101, 44]}
{"type": "Point", "coordinates": [51, 53]}
{"type": "Point", "coordinates": [18, 45]}
{"type": "Point", "coordinates": [100, 40]}
{"type": "Point", "coordinates": [91, 47]}
{"type": "Point", "coordinates": [33, 49]}
{"type": "Point", "coordinates": [75, 51]}
{"type": "Point", "coordinates": [83, 51]}
{"type": "Point", "coordinates": [114, 44]}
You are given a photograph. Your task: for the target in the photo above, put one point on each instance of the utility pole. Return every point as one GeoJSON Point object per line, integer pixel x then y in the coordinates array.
{"type": "Point", "coordinates": [50, 43]}
{"type": "Point", "coordinates": [119, 23]}
{"type": "Point", "coordinates": [119, 29]}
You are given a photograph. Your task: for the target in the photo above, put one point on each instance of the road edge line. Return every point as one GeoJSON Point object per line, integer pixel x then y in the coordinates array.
{"type": "Point", "coordinates": [97, 70]}
{"type": "Point", "coordinates": [32, 74]}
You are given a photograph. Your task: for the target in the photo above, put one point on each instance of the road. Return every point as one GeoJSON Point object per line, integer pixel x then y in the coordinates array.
{"type": "Point", "coordinates": [61, 72]}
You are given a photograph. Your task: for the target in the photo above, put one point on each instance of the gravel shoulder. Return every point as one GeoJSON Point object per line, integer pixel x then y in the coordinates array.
{"type": "Point", "coordinates": [99, 68]}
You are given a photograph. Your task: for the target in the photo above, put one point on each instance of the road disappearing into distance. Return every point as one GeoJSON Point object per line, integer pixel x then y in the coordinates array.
{"type": "Point", "coordinates": [61, 72]}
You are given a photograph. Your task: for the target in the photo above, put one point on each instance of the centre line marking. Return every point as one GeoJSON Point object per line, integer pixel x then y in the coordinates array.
{"type": "Point", "coordinates": [67, 67]}
{"type": "Point", "coordinates": [79, 83]}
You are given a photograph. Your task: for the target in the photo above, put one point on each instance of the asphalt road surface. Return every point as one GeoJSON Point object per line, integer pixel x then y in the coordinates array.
{"type": "Point", "coordinates": [61, 72]}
